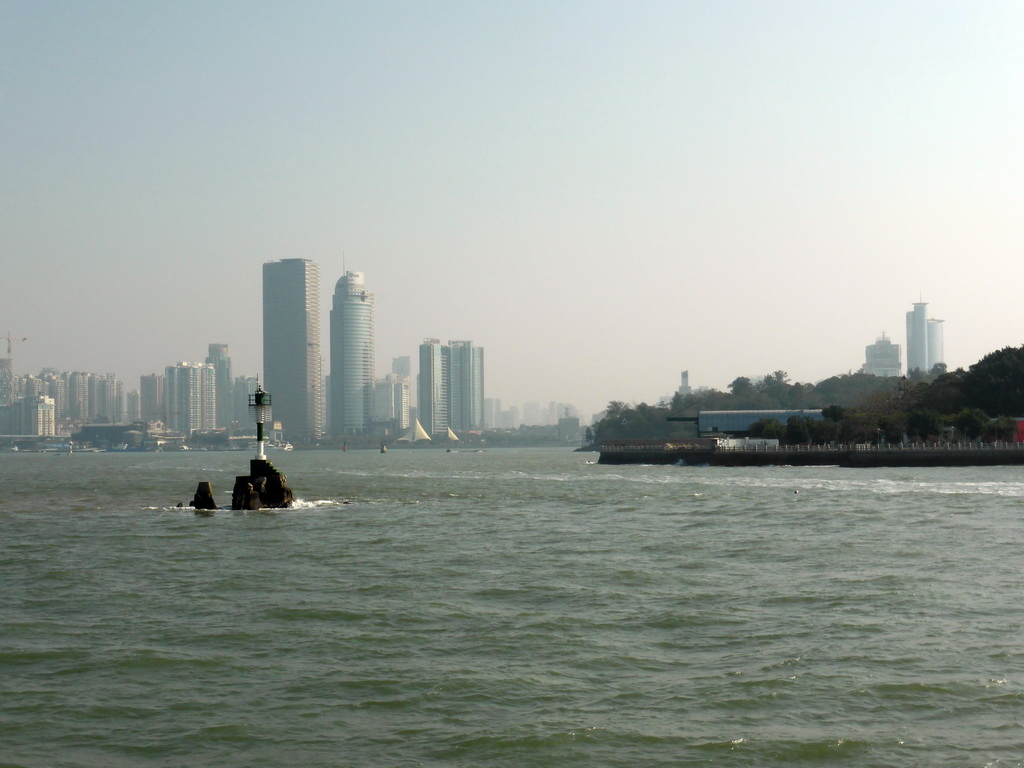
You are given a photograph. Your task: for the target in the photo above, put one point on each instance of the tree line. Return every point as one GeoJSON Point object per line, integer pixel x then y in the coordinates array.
{"type": "Point", "coordinates": [980, 402]}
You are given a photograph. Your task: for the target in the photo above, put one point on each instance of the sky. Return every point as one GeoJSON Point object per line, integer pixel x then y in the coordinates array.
{"type": "Point", "coordinates": [601, 194]}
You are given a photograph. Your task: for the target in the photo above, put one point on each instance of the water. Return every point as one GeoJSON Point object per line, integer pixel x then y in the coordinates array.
{"type": "Point", "coordinates": [509, 608]}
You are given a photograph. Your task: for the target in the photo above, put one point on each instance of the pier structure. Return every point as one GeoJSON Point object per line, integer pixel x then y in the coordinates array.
{"type": "Point", "coordinates": [710, 452]}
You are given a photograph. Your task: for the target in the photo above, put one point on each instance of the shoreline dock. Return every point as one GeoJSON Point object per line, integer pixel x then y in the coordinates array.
{"type": "Point", "coordinates": [707, 452]}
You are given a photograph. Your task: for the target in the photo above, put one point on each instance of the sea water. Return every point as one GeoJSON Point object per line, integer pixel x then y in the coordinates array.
{"type": "Point", "coordinates": [508, 608]}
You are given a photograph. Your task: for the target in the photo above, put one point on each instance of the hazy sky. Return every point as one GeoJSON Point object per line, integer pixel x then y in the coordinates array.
{"type": "Point", "coordinates": [601, 194]}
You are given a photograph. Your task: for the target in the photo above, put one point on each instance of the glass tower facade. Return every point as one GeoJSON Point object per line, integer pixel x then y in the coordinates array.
{"type": "Point", "coordinates": [291, 347]}
{"type": "Point", "coordinates": [353, 356]}
{"type": "Point", "coordinates": [221, 361]}
{"type": "Point", "coordinates": [466, 386]}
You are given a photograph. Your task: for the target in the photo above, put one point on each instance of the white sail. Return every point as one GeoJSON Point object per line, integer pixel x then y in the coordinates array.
{"type": "Point", "coordinates": [452, 435]}
{"type": "Point", "coordinates": [416, 432]}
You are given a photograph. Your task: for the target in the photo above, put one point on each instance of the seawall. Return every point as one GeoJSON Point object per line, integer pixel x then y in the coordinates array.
{"type": "Point", "coordinates": [938, 455]}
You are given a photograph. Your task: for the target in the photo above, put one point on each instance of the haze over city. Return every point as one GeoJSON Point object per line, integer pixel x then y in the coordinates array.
{"type": "Point", "coordinates": [600, 194]}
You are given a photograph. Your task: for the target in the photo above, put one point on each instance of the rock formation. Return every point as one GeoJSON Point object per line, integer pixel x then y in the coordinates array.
{"type": "Point", "coordinates": [264, 487]}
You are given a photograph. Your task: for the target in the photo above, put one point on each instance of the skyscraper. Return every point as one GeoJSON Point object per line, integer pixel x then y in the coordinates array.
{"type": "Point", "coordinates": [924, 340]}
{"type": "Point", "coordinates": [151, 398]}
{"type": "Point", "coordinates": [391, 402]}
{"type": "Point", "coordinates": [882, 358]}
{"type": "Point", "coordinates": [291, 347]}
{"type": "Point", "coordinates": [450, 389]}
{"type": "Point", "coordinates": [353, 356]}
{"type": "Point", "coordinates": [936, 354]}
{"type": "Point", "coordinates": [432, 387]}
{"type": "Point", "coordinates": [191, 395]}
{"type": "Point", "coordinates": [466, 386]}
{"type": "Point", "coordinates": [221, 361]}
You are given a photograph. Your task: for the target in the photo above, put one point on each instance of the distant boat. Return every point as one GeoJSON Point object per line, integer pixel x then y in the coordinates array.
{"type": "Point", "coordinates": [415, 434]}
{"type": "Point", "coordinates": [383, 448]}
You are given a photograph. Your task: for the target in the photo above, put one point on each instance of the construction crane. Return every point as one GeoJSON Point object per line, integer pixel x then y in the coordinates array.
{"type": "Point", "coordinates": [11, 340]}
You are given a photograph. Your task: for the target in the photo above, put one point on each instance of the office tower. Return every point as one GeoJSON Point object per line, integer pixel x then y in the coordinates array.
{"type": "Point", "coordinates": [402, 366]}
{"type": "Point", "coordinates": [466, 386]}
{"type": "Point", "coordinates": [133, 407]}
{"type": "Point", "coordinates": [924, 340]}
{"type": "Point", "coordinates": [432, 386]}
{"type": "Point", "coordinates": [219, 358]}
{"type": "Point", "coordinates": [241, 416]}
{"type": "Point", "coordinates": [684, 384]}
{"type": "Point", "coordinates": [291, 347]}
{"type": "Point", "coordinates": [917, 338]}
{"type": "Point", "coordinates": [936, 354]}
{"type": "Point", "coordinates": [391, 402]}
{"type": "Point", "coordinates": [151, 398]}
{"type": "Point", "coordinates": [353, 356]}
{"type": "Point", "coordinates": [492, 409]}
{"type": "Point", "coordinates": [882, 358]}
{"type": "Point", "coordinates": [190, 391]}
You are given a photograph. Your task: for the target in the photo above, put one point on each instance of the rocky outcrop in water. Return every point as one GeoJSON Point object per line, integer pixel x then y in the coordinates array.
{"type": "Point", "coordinates": [263, 488]}
{"type": "Point", "coordinates": [203, 499]}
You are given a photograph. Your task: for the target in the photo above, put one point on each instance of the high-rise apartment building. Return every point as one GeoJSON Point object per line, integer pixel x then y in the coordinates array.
{"type": "Point", "coordinates": [151, 398]}
{"type": "Point", "coordinates": [291, 347]}
{"type": "Point", "coordinates": [190, 391]}
{"type": "Point", "coordinates": [353, 356]}
{"type": "Point", "coordinates": [219, 358]}
{"type": "Point", "coordinates": [33, 415]}
{"type": "Point", "coordinates": [466, 386]}
{"type": "Point", "coordinates": [924, 340]}
{"type": "Point", "coordinates": [450, 389]}
{"type": "Point", "coordinates": [882, 358]}
{"type": "Point", "coordinates": [392, 401]}
{"type": "Point", "coordinates": [432, 387]}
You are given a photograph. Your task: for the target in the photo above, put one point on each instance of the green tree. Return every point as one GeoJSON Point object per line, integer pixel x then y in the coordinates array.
{"type": "Point", "coordinates": [995, 384]}
{"type": "Point", "coordinates": [924, 423]}
{"type": "Point", "coordinates": [798, 430]}
{"type": "Point", "coordinates": [771, 429]}
{"type": "Point", "coordinates": [971, 422]}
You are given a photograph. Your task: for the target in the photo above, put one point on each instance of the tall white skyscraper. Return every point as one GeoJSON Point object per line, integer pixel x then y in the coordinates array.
{"type": "Point", "coordinates": [353, 356]}
{"type": "Point", "coordinates": [291, 347]}
{"type": "Point", "coordinates": [924, 340]}
{"type": "Point", "coordinates": [936, 353]}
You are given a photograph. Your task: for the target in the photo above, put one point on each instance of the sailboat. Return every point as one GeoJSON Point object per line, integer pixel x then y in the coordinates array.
{"type": "Point", "coordinates": [416, 434]}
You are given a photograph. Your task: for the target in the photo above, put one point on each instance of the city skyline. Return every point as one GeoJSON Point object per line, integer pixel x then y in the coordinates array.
{"type": "Point", "coordinates": [600, 195]}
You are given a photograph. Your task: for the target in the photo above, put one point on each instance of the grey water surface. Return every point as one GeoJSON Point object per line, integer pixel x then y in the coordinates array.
{"type": "Point", "coordinates": [508, 608]}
